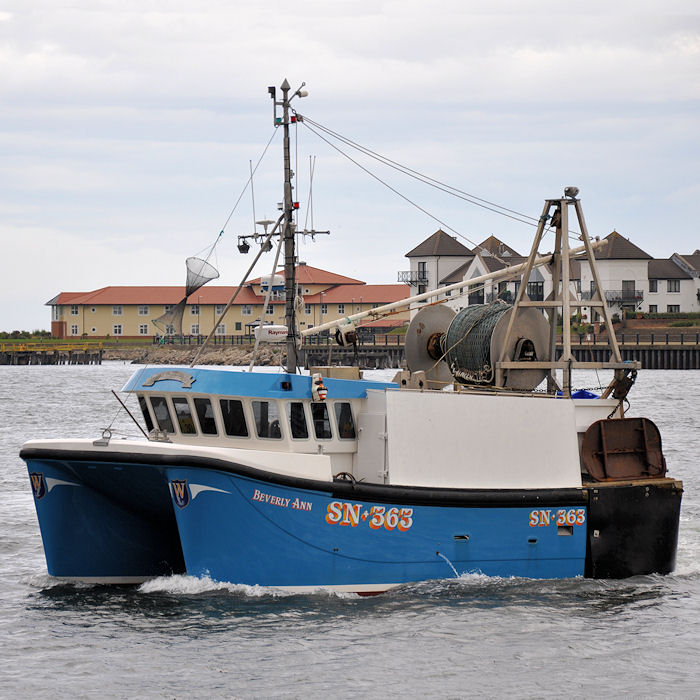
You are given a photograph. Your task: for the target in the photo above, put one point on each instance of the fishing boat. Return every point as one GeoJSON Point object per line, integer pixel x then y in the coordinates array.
{"type": "Point", "coordinates": [480, 457]}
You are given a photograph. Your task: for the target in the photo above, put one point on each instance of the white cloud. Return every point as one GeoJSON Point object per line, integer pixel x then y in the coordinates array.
{"type": "Point", "coordinates": [128, 126]}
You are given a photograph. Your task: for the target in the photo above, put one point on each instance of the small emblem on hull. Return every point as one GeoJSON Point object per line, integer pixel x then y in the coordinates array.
{"type": "Point", "coordinates": [181, 494]}
{"type": "Point", "coordinates": [38, 485]}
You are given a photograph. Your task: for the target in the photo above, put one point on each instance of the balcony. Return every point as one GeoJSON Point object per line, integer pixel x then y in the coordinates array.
{"type": "Point", "coordinates": [619, 297]}
{"type": "Point", "coordinates": [412, 277]}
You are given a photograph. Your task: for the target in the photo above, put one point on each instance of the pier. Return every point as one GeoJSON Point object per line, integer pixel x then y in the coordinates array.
{"type": "Point", "coordinates": [653, 350]}
{"type": "Point", "coordinates": [50, 354]}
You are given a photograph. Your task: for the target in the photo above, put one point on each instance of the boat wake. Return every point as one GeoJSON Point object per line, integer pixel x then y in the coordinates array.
{"type": "Point", "coordinates": [181, 584]}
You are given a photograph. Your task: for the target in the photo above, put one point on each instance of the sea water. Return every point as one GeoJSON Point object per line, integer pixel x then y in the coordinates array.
{"type": "Point", "coordinates": [468, 636]}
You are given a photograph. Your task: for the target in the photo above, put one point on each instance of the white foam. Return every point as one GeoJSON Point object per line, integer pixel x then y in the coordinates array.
{"type": "Point", "coordinates": [180, 584]}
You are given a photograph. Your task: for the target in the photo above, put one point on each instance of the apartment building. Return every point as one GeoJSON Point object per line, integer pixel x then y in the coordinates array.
{"type": "Point", "coordinates": [129, 311]}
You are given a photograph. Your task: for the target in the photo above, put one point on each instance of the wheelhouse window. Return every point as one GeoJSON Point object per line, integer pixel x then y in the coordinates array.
{"type": "Point", "coordinates": [267, 420]}
{"type": "Point", "coordinates": [322, 421]}
{"type": "Point", "coordinates": [162, 413]}
{"type": "Point", "coordinates": [297, 420]}
{"type": "Point", "coordinates": [146, 415]}
{"type": "Point", "coordinates": [205, 415]}
{"type": "Point", "coordinates": [344, 420]}
{"type": "Point", "coordinates": [234, 417]}
{"type": "Point", "coordinates": [184, 416]}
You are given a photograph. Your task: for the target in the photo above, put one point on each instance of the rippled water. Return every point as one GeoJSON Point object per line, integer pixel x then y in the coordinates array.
{"type": "Point", "coordinates": [467, 637]}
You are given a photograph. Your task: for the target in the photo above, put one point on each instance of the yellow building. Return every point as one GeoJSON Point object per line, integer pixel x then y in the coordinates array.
{"type": "Point", "coordinates": [129, 312]}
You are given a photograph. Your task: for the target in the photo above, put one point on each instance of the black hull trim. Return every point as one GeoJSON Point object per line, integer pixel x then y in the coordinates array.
{"type": "Point", "coordinates": [345, 490]}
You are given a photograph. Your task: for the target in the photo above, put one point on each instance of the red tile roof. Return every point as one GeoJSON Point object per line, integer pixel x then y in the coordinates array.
{"type": "Point", "coordinates": [155, 295]}
{"type": "Point", "coordinates": [342, 293]}
{"type": "Point", "coordinates": [306, 274]}
{"type": "Point", "coordinates": [364, 294]}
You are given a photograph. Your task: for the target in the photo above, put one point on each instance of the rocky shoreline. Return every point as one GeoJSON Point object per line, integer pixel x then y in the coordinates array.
{"type": "Point", "coordinates": [183, 355]}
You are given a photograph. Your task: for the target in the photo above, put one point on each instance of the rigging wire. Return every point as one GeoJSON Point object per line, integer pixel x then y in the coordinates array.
{"type": "Point", "coordinates": [252, 194]}
{"type": "Point", "coordinates": [518, 216]}
{"type": "Point", "coordinates": [245, 187]}
{"type": "Point", "coordinates": [393, 189]}
{"type": "Point", "coordinates": [437, 184]}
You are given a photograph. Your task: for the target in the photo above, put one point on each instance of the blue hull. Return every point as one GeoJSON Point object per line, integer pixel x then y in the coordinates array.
{"type": "Point", "coordinates": [253, 532]}
{"type": "Point", "coordinates": [119, 521]}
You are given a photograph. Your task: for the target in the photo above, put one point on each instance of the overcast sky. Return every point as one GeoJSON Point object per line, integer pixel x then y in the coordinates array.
{"type": "Point", "coordinates": [127, 129]}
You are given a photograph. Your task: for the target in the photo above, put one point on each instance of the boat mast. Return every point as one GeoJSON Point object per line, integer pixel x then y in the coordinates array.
{"type": "Point", "coordinates": [288, 228]}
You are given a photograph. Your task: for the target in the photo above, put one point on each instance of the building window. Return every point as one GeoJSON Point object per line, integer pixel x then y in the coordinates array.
{"type": "Point", "coordinates": [143, 310]}
{"type": "Point", "coordinates": [422, 271]}
{"type": "Point", "coordinates": [194, 329]}
{"type": "Point", "coordinates": [270, 310]}
{"type": "Point", "coordinates": [653, 309]}
{"type": "Point", "coordinates": [194, 310]}
{"type": "Point", "coordinates": [238, 325]}
{"type": "Point", "coordinates": [143, 329]}
{"type": "Point", "coordinates": [74, 310]}
{"type": "Point", "coordinates": [375, 306]}
{"type": "Point", "coordinates": [307, 309]}
{"type": "Point", "coordinates": [535, 290]}
{"type": "Point", "coordinates": [221, 329]}
{"type": "Point", "coordinates": [116, 311]}
{"type": "Point", "coordinates": [55, 313]}
{"type": "Point", "coordinates": [117, 329]}
{"type": "Point", "coordinates": [673, 309]}
{"type": "Point", "coordinates": [422, 289]}
{"type": "Point", "coordinates": [448, 293]}
{"type": "Point", "coordinates": [170, 329]}
{"type": "Point", "coordinates": [324, 309]}
{"type": "Point", "coordinates": [74, 329]}
{"type": "Point", "coordinates": [246, 310]}
{"type": "Point", "coordinates": [167, 307]}
{"type": "Point", "coordinates": [653, 285]}
{"type": "Point", "coordinates": [673, 285]}
{"type": "Point", "coordinates": [219, 309]}
{"type": "Point", "coordinates": [341, 309]}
